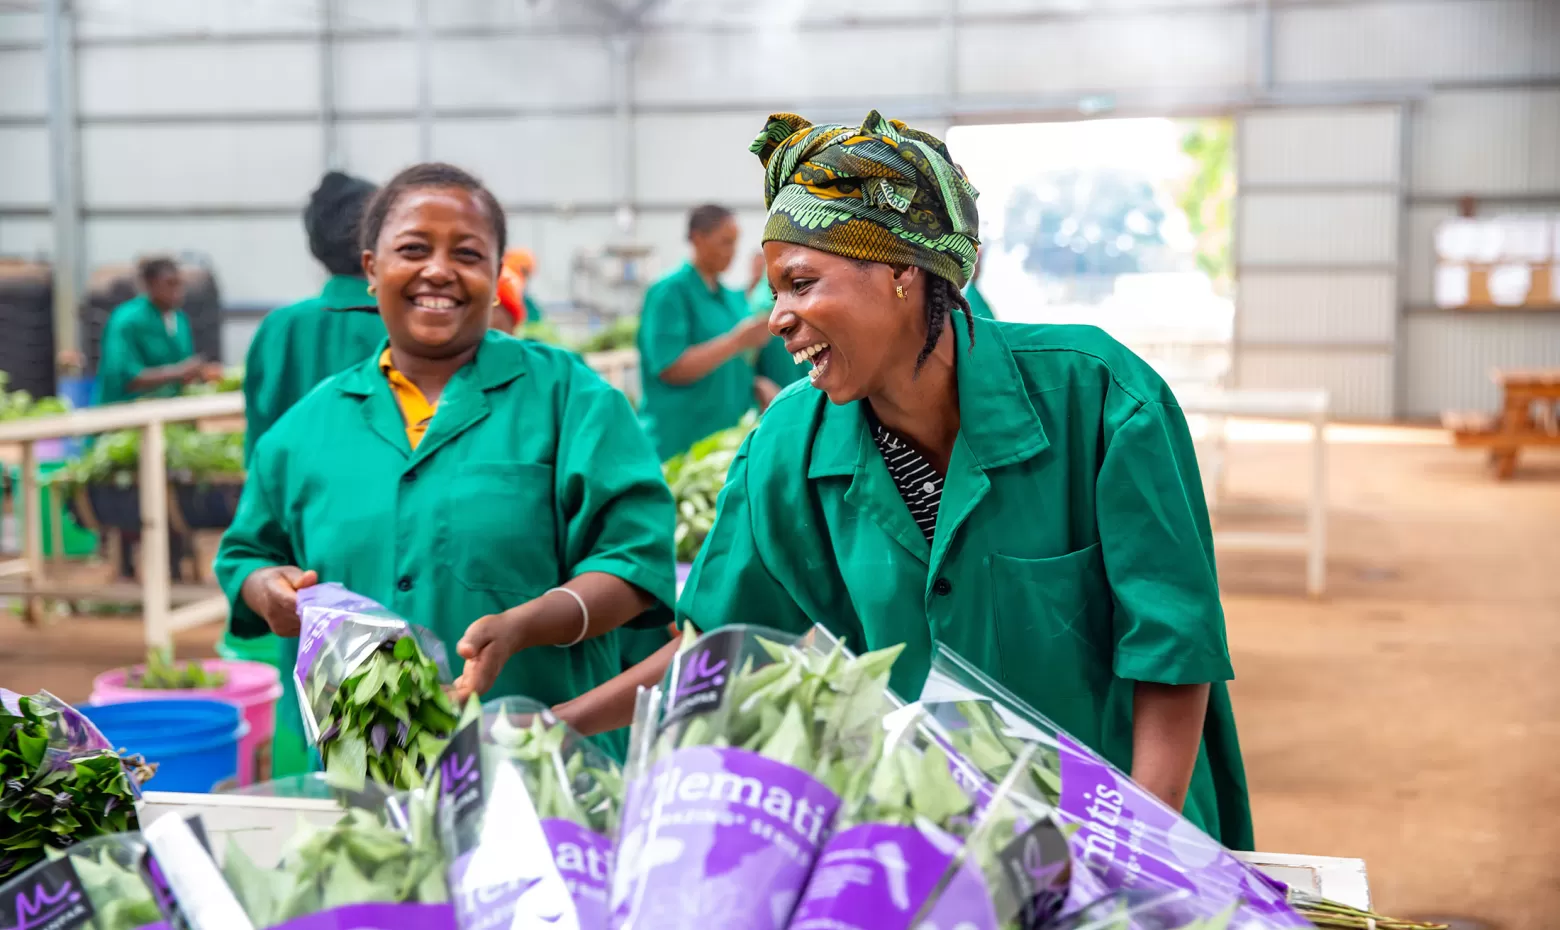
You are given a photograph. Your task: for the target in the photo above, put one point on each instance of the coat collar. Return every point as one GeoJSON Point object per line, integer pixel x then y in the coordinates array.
{"type": "Point", "coordinates": [996, 418]}
{"type": "Point", "coordinates": [500, 359]}
{"type": "Point", "coordinates": [347, 292]}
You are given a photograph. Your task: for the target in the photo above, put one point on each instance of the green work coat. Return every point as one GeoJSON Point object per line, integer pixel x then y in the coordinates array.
{"type": "Point", "coordinates": [300, 345]}
{"type": "Point", "coordinates": [533, 310]}
{"type": "Point", "coordinates": [135, 338]}
{"type": "Point", "coordinates": [978, 306]}
{"type": "Point", "coordinates": [1072, 554]}
{"type": "Point", "coordinates": [533, 471]}
{"type": "Point", "coordinates": [681, 311]}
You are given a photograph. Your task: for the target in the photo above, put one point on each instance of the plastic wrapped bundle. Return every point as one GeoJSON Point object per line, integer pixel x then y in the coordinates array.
{"type": "Point", "coordinates": [60, 781]}
{"type": "Point", "coordinates": [370, 687]}
{"type": "Point", "coordinates": [736, 770]}
{"type": "Point", "coordinates": [105, 883]}
{"type": "Point", "coordinates": [378, 866]}
{"type": "Point", "coordinates": [919, 848]}
{"type": "Point", "coordinates": [527, 814]}
{"type": "Point", "coordinates": [1121, 838]}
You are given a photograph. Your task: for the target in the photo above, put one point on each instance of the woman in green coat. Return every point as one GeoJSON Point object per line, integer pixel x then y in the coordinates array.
{"type": "Point", "coordinates": [492, 489]}
{"type": "Point", "coordinates": [1026, 495]}
{"type": "Point", "coordinates": [148, 349]}
{"type": "Point", "coordinates": [300, 345]}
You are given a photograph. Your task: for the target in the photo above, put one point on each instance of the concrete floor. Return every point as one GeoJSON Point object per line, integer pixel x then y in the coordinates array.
{"type": "Point", "coordinates": [1410, 718]}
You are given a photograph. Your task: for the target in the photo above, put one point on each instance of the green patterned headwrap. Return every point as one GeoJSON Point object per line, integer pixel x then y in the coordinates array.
{"type": "Point", "coordinates": [882, 193]}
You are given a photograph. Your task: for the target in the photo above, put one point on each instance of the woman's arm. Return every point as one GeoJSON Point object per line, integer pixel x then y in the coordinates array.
{"type": "Point", "coordinates": [611, 705]}
{"type": "Point", "coordinates": [554, 619]}
{"type": "Point", "coordinates": [1167, 728]}
{"type": "Point", "coordinates": [697, 361]}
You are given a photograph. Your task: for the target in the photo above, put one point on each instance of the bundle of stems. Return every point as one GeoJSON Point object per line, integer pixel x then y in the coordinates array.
{"type": "Point", "coordinates": [1330, 915]}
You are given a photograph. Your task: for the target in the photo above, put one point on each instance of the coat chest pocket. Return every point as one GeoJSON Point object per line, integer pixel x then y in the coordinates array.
{"type": "Point", "coordinates": [500, 528]}
{"type": "Point", "coordinates": [1053, 619]}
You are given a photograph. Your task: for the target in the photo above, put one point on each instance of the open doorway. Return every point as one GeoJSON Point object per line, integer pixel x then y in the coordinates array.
{"type": "Point", "coordinates": [1122, 223]}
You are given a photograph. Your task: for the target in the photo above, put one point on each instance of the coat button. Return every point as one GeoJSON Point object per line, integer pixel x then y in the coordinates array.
{"type": "Point", "coordinates": [405, 584]}
{"type": "Point", "coordinates": [941, 587]}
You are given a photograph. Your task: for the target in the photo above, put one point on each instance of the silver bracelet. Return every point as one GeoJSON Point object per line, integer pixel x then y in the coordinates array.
{"type": "Point", "coordinates": [584, 615]}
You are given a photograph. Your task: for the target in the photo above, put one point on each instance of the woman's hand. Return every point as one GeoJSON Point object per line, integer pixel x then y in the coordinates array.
{"type": "Point", "coordinates": [273, 594]}
{"type": "Point", "coordinates": [487, 645]}
{"type": "Point", "coordinates": [752, 333]}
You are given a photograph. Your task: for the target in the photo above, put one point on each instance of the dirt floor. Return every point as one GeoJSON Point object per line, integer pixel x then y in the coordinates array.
{"type": "Point", "coordinates": [1410, 718]}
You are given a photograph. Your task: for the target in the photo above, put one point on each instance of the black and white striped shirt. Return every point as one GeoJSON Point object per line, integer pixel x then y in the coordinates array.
{"type": "Point", "coordinates": [918, 482]}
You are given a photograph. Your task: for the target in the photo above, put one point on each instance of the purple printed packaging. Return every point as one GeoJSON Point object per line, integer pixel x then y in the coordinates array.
{"type": "Point", "coordinates": [1120, 838]}
{"type": "Point", "coordinates": [527, 811]}
{"type": "Point", "coordinates": [736, 768]}
{"type": "Point", "coordinates": [108, 881]}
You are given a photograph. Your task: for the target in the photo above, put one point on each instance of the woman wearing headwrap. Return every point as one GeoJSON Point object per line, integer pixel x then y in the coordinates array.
{"type": "Point", "coordinates": [514, 293]}
{"type": "Point", "coordinates": [1025, 494]}
{"type": "Point", "coordinates": [300, 345]}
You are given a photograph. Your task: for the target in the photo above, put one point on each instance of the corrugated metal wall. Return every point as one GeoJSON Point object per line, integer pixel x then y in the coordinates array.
{"type": "Point", "coordinates": [1317, 244]}
{"type": "Point", "coordinates": [202, 128]}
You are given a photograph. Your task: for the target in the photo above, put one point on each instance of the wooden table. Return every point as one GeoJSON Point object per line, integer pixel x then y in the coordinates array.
{"type": "Point", "coordinates": [1529, 416]}
{"type": "Point", "coordinates": [27, 577]}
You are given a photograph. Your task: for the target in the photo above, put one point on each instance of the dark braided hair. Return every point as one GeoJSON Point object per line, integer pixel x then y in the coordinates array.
{"type": "Point", "coordinates": [425, 175]}
{"type": "Point", "coordinates": [942, 298]}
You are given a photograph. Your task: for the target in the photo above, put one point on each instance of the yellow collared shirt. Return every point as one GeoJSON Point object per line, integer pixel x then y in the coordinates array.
{"type": "Point", "coordinates": [415, 408]}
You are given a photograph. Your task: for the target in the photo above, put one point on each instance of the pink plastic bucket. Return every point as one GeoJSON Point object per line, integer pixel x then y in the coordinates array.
{"type": "Point", "coordinates": [254, 686]}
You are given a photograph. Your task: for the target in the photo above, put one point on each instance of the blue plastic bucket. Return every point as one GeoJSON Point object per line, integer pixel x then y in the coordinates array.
{"type": "Point", "coordinates": [193, 742]}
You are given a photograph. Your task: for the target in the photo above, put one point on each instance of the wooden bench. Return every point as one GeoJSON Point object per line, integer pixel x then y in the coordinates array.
{"type": "Point", "coordinates": [1529, 416]}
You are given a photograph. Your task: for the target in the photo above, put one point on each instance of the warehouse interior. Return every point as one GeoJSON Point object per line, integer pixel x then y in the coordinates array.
{"type": "Point", "coordinates": [1342, 194]}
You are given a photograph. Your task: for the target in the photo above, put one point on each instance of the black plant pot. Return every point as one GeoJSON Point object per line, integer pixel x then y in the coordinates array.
{"type": "Point", "coordinates": [207, 506]}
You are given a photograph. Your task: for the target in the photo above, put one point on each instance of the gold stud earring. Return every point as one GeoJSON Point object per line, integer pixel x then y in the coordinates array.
{"type": "Point", "coordinates": [900, 290]}
{"type": "Point", "coordinates": [373, 289]}
{"type": "Point", "coordinates": [496, 301]}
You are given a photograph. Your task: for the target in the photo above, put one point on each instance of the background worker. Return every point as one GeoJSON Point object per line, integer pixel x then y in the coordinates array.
{"type": "Point", "coordinates": [302, 344]}
{"type": "Point", "coordinates": [495, 490]}
{"type": "Point", "coordinates": [148, 349]}
{"type": "Point", "coordinates": [698, 343]}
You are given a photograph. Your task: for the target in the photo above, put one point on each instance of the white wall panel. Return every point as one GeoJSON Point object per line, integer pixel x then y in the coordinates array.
{"type": "Point", "coordinates": [1447, 357]}
{"type": "Point", "coordinates": [26, 236]}
{"type": "Point", "coordinates": [1320, 146]}
{"type": "Point", "coordinates": [776, 15]}
{"type": "Point", "coordinates": [726, 172]}
{"type": "Point", "coordinates": [778, 65]}
{"type": "Point", "coordinates": [1346, 307]}
{"type": "Point", "coordinates": [183, 78]}
{"type": "Point", "coordinates": [377, 150]}
{"type": "Point", "coordinates": [560, 161]}
{"type": "Point", "coordinates": [22, 88]}
{"type": "Point", "coordinates": [1195, 49]}
{"type": "Point", "coordinates": [556, 240]}
{"type": "Point", "coordinates": [258, 260]}
{"type": "Point", "coordinates": [1360, 383]}
{"type": "Point", "coordinates": [1078, 6]}
{"type": "Point", "coordinates": [128, 18]}
{"type": "Point", "coordinates": [1488, 142]}
{"type": "Point", "coordinates": [510, 13]}
{"type": "Point", "coordinates": [1413, 40]}
{"type": "Point", "coordinates": [16, 26]}
{"type": "Point", "coordinates": [24, 165]}
{"type": "Point", "coordinates": [202, 164]}
{"type": "Point", "coordinates": [376, 74]}
{"type": "Point", "coordinates": [511, 71]}
{"type": "Point", "coordinates": [376, 13]}
{"type": "Point", "coordinates": [1317, 229]}
{"type": "Point", "coordinates": [1422, 220]}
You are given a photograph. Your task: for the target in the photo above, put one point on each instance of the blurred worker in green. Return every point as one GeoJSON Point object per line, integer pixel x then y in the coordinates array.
{"type": "Point", "coordinates": [699, 343]}
{"type": "Point", "coordinates": [148, 350]}
{"type": "Point", "coordinates": [977, 301]}
{"type": "Point", "coordinates": [300, 345]}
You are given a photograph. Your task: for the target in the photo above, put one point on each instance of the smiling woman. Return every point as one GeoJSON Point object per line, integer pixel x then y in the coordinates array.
{"type": "Point", "coordinates": [409, 479]}
{"type": "Point", "coordinates": [1026, 495]}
